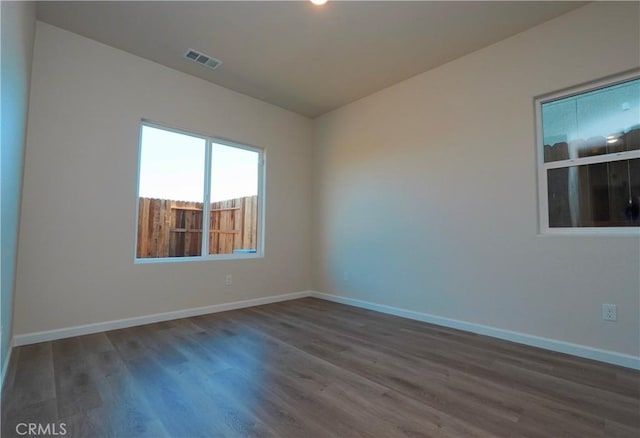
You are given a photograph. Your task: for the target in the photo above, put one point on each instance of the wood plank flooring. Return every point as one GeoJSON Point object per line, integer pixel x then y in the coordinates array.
{"type": "Point", "coordinates": [310, 368]}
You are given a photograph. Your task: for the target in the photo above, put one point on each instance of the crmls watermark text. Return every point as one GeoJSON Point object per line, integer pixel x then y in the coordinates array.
{"type": "Point", "coordinates": [34, 429]}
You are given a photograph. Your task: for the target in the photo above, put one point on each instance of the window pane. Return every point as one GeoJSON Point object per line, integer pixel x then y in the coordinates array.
{"type": "Point", "coordinates": [171, 194]}
{"type": "Point", "coordinates": [595, 195]}
{"type": "Point", "coordinates": [598, 122]}
{"type": "Point", "coordinates": [234, 200]}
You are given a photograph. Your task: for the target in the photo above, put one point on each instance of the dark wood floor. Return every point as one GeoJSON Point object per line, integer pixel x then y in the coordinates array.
{"type": "Point", "coordinates": [311, 368]}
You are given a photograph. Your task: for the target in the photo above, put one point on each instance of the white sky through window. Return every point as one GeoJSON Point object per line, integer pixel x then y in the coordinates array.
{"type": "Point", "coordinates": [172, 167]}
{"type": "Point", "coordinates": [234, 172]}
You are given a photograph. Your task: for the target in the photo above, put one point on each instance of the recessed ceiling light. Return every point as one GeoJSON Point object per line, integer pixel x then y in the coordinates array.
{"type": "Point", "coordinates": [318, 2]}
{"type": "Point", "coordinates": [612, 140]}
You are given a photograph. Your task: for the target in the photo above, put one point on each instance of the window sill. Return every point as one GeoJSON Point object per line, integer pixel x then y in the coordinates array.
{"type": "Point", "coordinates": [592, 231]}
{"type": "Point", "coordinates": [150, 261]}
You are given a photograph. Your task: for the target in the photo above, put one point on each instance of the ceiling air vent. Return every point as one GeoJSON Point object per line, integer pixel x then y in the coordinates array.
{"type": "Point", "coordinates": [201, 58]}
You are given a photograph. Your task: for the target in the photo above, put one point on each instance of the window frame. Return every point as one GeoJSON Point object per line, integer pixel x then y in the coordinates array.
{"type": "Point", "coordinates": [542, 167]}
{"type": "Point", "coordinates": [209, 141]}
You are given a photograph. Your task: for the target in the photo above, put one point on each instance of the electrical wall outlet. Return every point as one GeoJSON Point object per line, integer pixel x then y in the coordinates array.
{"type": "Point", "coordinates": [345, 275]}
{"type": "Point", "coordinates": [609, 312]}
{"type": "Point", "coordinates": [228, 280]}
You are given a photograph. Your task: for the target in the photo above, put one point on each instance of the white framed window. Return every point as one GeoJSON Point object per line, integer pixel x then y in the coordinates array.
{"type": "Point", "coordinates": [198, 197]}
{"type": "Point", "coordinates": [588, 150]}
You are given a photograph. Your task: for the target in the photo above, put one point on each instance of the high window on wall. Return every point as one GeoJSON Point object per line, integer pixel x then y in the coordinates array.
{"type": "Point", "coordinates": [589, 158]}
{"type": "Point", "coordinates": [198, 197]}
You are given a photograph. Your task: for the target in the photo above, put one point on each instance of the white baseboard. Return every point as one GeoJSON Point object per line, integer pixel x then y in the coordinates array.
{"type": "Point", "coordinates": [5, 365]}
{"type": "Point", "coordinates": [87, 329]}
{"type": "Point", "coordinates": [584, 351]}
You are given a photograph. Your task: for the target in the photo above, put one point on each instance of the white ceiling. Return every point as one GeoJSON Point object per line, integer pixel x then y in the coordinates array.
{"type": "Point", "coordinates": [298, 56]}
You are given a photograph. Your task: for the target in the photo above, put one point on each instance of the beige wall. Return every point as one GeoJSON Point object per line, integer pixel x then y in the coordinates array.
{"type": "Point", "coordinates": [425, 192]}
{"type": "Point", "coordinates": [78, 217]}
{"type": "Point", "coordinates": [18, 26]}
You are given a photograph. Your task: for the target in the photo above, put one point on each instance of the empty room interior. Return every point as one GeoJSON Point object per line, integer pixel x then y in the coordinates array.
{"type": "Point", "coordinates": [320, 219]}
